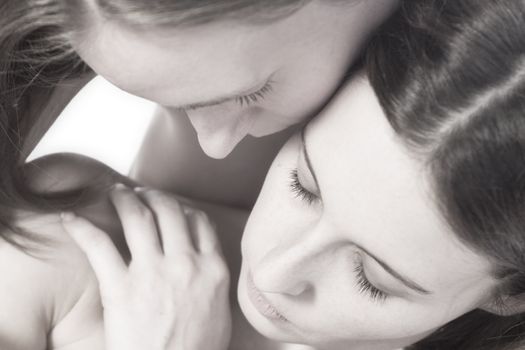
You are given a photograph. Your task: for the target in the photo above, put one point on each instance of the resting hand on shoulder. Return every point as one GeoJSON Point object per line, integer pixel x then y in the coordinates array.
{"type": "Point", "coordinates": [174, 292]}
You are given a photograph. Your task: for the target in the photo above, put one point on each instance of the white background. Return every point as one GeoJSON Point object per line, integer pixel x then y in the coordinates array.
{"type": "Point", "coordinates": [102, 122]}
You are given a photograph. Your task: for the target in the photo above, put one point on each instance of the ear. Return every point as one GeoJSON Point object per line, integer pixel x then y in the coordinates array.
{"type": "Point", "coordinates": [506, 305]}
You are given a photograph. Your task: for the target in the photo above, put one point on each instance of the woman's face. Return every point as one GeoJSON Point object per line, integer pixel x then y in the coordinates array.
{"type": "Point", "coordinates": [234, 79]}
{"type": "Point", "coordinates": [345, 247]}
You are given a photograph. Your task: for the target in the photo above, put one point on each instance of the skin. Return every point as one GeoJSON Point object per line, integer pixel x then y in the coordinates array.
{"type": "Point", "coordinates": [52, 300]}
{"type": "Point", "coordinates": [303, 261]}
{"type": "Point", "coordinates": [194, 73]}
{"type": "Point", "coordinates": [300, 255]}
{"type": "Point", "coordinates": [370, 195]}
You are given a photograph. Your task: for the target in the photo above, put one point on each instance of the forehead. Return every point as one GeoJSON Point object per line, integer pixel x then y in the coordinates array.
{"type": "Point", "coordinates": [207, 58]}
{"type": "Point", "coordinates": [379, 195]}
{"type": "Point", "coordinates": [149, 63]}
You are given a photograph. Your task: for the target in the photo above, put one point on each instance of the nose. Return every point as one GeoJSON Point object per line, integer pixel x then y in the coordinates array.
{"type": "Point", "coordinates": [291, 269]}
{"type": "Point", "coordinates": [219, 129]}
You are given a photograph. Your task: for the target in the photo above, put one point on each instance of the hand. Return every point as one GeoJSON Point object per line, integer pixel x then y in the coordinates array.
{"type": "Point", "coordinates": [174, 293]}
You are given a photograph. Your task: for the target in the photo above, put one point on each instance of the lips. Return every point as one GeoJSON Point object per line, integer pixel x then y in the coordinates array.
{"type": "Point", "coordinates": [261, 303]}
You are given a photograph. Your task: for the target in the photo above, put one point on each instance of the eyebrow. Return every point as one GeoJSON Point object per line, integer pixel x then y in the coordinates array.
{"type": "Point", "coordinates": [404, 280]}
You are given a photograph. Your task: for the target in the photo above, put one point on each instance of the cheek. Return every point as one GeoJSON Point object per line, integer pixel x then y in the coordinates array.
{"type": "Point", "coordinates": [299, 91]}
{"type": "Point", "coordinates": [268, 120]}
{"type": "Point", "coordinates": [345, 315]}
{"type": "Point", "coordinates": [304, 86]}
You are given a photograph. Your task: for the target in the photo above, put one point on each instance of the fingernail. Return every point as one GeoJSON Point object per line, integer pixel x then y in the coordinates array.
{"type": "Point", "coordinates": [67, 216]}
{"type": "Point", "coordinates": [187, 210]}
{"type": "Point", "coordinates": [139, 189]}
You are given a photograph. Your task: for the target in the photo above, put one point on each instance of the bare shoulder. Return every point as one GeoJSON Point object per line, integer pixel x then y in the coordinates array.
{"type": "Point", "coordinates": [22, 300]}
{"type": "Point", "coordinates": [49, 294]}
{"type": "Point", "coordinates": [42, 287]}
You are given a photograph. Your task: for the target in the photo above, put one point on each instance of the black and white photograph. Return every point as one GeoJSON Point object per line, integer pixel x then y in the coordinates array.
{"type": "Point", "coordinates": [262, 174]}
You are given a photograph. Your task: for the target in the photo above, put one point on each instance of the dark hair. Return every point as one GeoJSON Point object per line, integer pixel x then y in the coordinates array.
{"type": "Point", "coordinates": [450, 76]}
{"type": "Point", "coordinates": [36, 57]}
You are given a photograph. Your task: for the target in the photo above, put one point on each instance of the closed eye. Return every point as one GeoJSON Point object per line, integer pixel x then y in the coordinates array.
{"type": "Point", "coordinates": [243, 100]}
{"type": "Point", "coordinates": [365, 286]}
{"type": "Point", "coordinates": [299, 190]}
{"type": "Point", "coordinates": [255, 97]}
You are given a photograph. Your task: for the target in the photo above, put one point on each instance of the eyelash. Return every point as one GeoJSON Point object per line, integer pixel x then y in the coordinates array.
{"type": "Point", "coordinates": [364, 285]}
{"type": "Point", "coordinates": [246, 100]}
{"type": "Point", "coordinates": [255, 97]}
{"type": "Point", "coordinates": [299, 190]}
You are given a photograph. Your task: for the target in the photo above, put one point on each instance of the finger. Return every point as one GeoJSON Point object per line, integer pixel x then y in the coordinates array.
{"type": "Point", "coordinates": [204, 233]}
{"type": "Point", "coordinates": [138, 224]}
{"type": "Point", "coordinates": [105, 259]}
{"type": "Point", "coordinates": [171, 220]}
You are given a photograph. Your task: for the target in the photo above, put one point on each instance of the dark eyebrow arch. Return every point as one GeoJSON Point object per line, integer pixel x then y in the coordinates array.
{"type": "Point", "coordinates": [307, 158]}
{"type": "Point", "coordinates": [405, 280]}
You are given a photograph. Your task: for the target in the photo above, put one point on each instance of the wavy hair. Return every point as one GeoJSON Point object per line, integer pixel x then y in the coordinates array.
{"type": "Point", "coordinates": [450, 77]}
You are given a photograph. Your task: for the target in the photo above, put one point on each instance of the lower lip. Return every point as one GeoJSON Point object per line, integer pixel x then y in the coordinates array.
{"type": "Point", "coordinates": [261, 304]}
